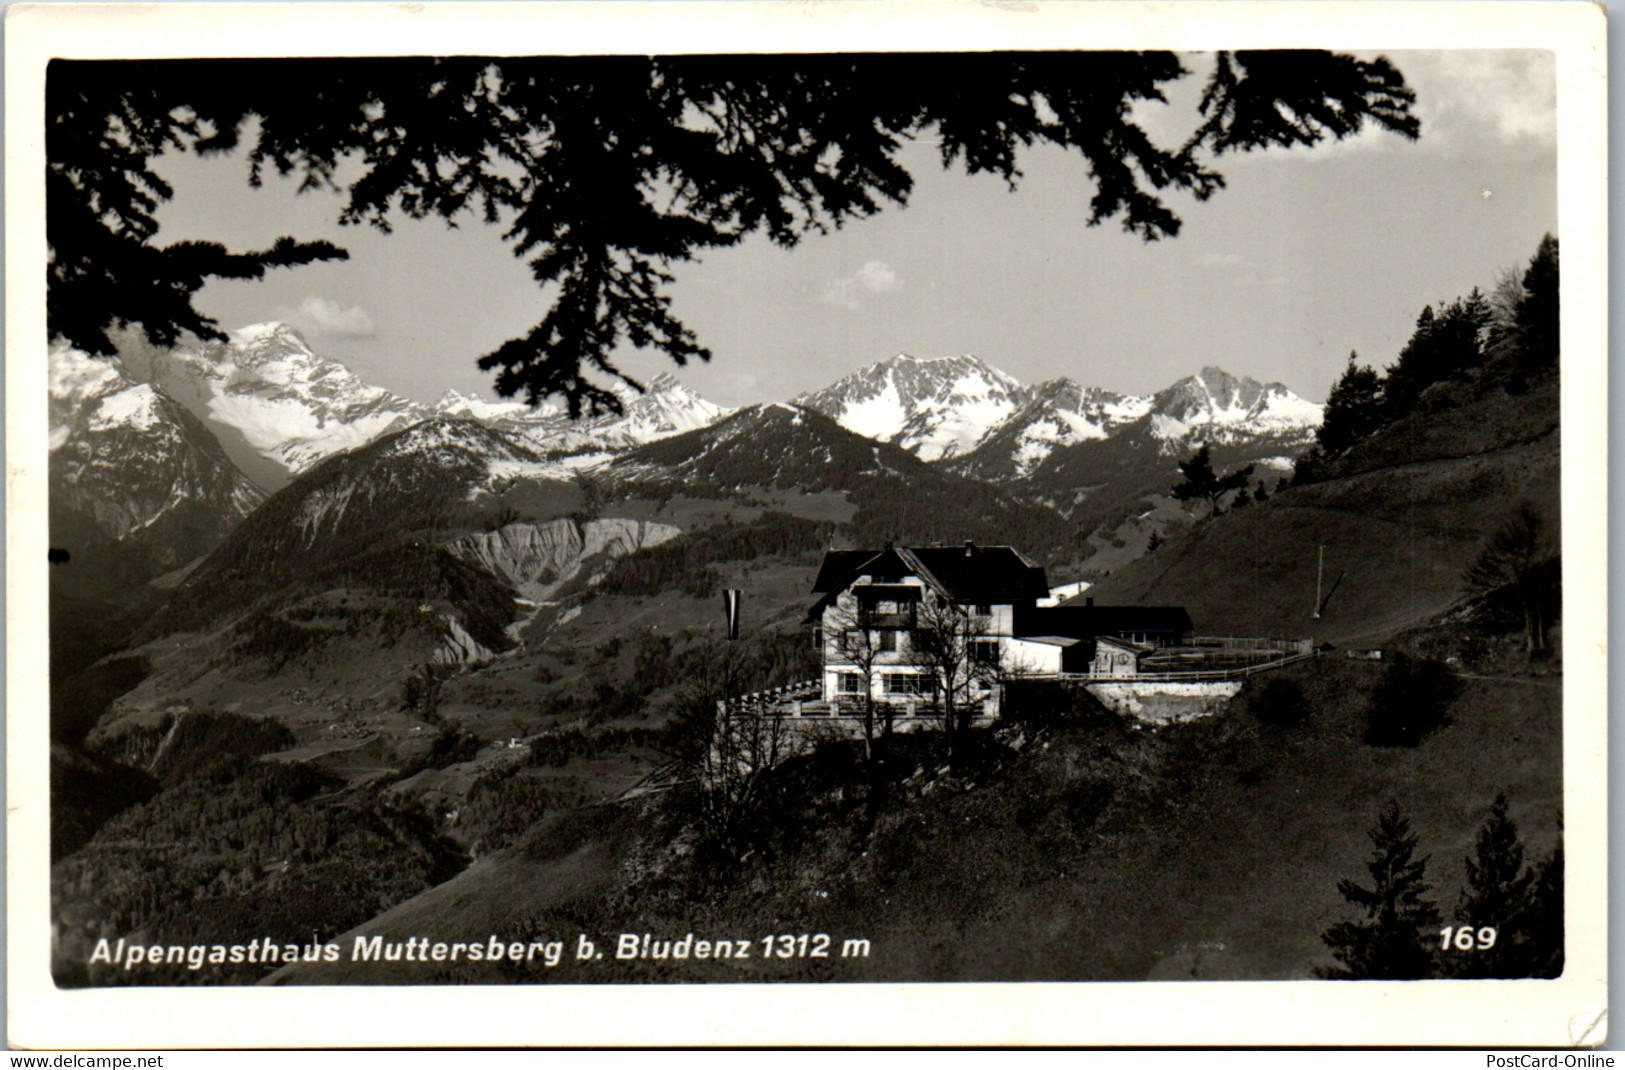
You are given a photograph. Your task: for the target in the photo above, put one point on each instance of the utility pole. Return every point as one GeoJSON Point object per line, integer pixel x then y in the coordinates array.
{"type": "Point", "coordinates": [1320, 572]}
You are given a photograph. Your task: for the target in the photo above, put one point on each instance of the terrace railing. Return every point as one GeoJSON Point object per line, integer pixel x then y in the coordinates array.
{"type": "Point", "coordinates": [1238, 672]}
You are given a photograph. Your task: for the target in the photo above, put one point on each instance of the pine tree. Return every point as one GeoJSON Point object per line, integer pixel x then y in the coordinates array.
{"type": "Point", "coordinates": [1444, 345]}
{"type": "Point", "coordinates": [1497, 896]}
{"type": "Point", "coordinates": [1201, 482]}
{"type": "Point", "coordinates": [1353, 408]}
{"type": "Point", "coordinates": [1395, 939]}
{"type": "Point", "coordinates": [1537, 316]}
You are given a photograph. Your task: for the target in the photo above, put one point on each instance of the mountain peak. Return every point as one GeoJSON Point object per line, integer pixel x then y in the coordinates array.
{"type": "Point", "coordinates": [269, 331]}
{"type": "Point", "coordinates": [472, 406]}
{"type": "Point", "coordinates": [934, 407]}
{"type": "Point", "coordinates": [1224, 404]}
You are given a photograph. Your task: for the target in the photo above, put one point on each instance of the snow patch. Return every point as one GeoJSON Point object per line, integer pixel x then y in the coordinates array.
{"type": "Point", "coordinates": [75, 375]}
{"type": "Point", "coordinates": [454, 403]}
{"type": "Point", "coordinates": [136, 407]}
{"type": "Point", "coordinates": [877, 417]}
{"type": "Point", "coordinates": [1168, 428]}
{"type": "Point", "coordinates": [499, 469]}
{"type": "Point", "coordinates": [257, 332]}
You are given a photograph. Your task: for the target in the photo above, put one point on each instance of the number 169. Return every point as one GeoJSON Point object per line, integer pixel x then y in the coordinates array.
{"type": "Point", "coordinates": [1467, 938]}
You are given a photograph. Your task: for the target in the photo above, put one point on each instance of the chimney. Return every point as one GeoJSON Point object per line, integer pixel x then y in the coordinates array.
{"type": "Point", "coordinates": [970, 547]}
{"type": "Point", "coordinates": [1089, 600]}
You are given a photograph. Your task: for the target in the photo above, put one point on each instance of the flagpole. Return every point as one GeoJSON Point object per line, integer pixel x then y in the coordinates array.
{"type": "Point", "coordinates": [1320, 572]}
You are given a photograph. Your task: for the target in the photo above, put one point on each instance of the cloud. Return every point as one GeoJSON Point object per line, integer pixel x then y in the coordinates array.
{"type": "Point", "coordinates": [327, 318]}
{"type": "Point", "coordinates": [1469, 101]}
{"type": "Point", "coordinates": [874, 277]}
{"type": "Point", "coordinates": [1511, 95]}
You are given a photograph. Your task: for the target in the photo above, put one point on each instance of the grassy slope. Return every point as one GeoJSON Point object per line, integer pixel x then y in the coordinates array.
{"type": "Point", "coordinates": [1217, 855]}
{"type": "Point", "coordinates": [1403, 530]}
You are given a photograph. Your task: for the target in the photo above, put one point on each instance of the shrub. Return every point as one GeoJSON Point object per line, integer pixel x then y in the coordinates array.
{"type": "Point", "coordinates": [1410, 701]}
{"type": "Point", "coordinates": [1280, 702]}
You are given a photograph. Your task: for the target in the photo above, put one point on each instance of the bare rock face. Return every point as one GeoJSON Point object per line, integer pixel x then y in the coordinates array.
{"type": "Point", "coordinates": [539, 558]}
{"type": "Point", "coordinates": [134, 476]}
{"type": "Point", "coordinates": [457, 647]}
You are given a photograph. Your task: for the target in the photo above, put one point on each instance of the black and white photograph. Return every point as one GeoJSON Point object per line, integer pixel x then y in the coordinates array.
{"type": "Point", "coordinates": [959, 523]}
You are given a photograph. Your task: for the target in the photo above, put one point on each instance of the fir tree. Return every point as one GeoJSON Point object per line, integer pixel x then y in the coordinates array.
{"type": "Point", "coordinates": [1353, 408]}
{"type": "Point", "coordinates": [1444, 345]}
{"type": "Point", "coordinates": [1202, 483]}
{"type": "Point", "coordinates": [1537, 316]}
{"type": "Point", "coordinates": [1497, 896]}
{"type": "Point", "coordinates": [1395, 940]}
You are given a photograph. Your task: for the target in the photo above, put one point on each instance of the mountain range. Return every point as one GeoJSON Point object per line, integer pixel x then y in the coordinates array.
{"type": "Point", "coordinates": [278, 407]}
{"type": "Point", "coordinates": [988, 425]}
{"type": "Point", "coordinates": [158, 455]}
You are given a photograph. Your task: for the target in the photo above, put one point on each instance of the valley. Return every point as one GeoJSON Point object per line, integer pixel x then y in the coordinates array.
{"type": "Point", "coordinates": [443, 673]}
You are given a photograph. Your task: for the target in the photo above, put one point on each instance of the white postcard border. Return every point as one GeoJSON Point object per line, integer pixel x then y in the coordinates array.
{"type": "Point", "coordinates": [1564, 1012]}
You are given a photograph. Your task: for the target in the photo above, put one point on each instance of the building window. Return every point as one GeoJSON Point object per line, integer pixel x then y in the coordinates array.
{"type": "Point", "coordinates": [909, 683]}
{"type": "Point", "coordinates": [851, 683]}
{"type": "Point", "coordinates": [984, 652]}
{"type": "Point", "coordinates": [984, 611]}
{"type": "Point", "coordinates": [886, 642]}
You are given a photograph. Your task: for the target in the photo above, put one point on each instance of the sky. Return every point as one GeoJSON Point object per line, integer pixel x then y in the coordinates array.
{"type": "Point", "coordinates": [1305, 256]}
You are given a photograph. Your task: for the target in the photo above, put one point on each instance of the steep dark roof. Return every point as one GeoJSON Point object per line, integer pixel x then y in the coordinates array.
{"type": "Point", "coordinates": [839, 567]}
{"type": "Point", "coordinates": [971, 574]}
{"type": "Point", "coordinates": [1087, 622]}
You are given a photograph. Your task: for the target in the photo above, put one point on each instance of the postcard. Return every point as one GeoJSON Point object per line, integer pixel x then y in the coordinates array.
{"type": "Point", "coordinates": [806, 524]}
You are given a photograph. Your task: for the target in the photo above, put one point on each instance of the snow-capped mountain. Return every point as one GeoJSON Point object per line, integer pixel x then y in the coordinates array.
{"type": "Point", "coordinates": [1094, 479]}
{"type": "Point", "coordinates": [440, 459]}
{"type": "Point", "coordinates": [665, 408]}
{"type": "Point", "coordinates": [131, 467]}
{"type": "Point", "coordinates": [934, 408]}
{"type": "Point", "coordinates": [781, 447]}
{"type": "Point", "coordinates": [469, 407]}
{"type": "Point", "coordinates": [1058, 413]}
{"type": "Point", "coordinates": [277, 406]}
{"type": "Point", "coordinates": [984, 423]}
{"type": "Point", "coordinates": [1217, 407]}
